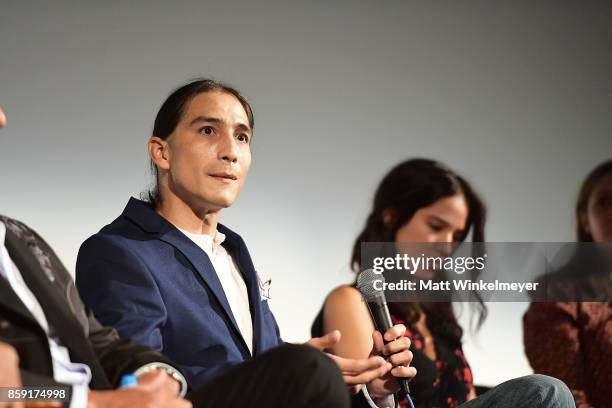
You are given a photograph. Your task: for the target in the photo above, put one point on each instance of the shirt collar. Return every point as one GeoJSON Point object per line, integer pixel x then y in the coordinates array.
{"type": "Point", "coordinates": [217, 240]}
{"type": "Point", "coordinates": [206, 241]}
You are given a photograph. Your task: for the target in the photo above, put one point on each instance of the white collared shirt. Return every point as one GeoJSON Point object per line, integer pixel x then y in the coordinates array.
{"type": "Point", "coordinates": [64, 370]}
{"type": "Point", "coordinates": [231, 280]}
{"type": "Point", "coordinates": [236, 292]}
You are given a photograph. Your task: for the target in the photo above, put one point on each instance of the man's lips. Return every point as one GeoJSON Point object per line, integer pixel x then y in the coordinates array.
{"type": "Point", "coordinates": [225, 177]}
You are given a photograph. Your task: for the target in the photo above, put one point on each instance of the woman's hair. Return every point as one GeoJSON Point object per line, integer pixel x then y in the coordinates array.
{"type": "Point", "coordinates": [172, 110]}
{"type": "Point", "coordinates": [584, 195]}
{"type": "Point", "coordinates": [408, 187]}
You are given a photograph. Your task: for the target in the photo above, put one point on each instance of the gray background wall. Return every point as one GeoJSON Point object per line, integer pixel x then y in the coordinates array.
{"type": "Point", "coordinates": [514, 95]}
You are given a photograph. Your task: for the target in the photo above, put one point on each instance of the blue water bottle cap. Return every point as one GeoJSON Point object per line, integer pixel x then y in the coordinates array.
{"type": "Point", "coordinates": [128, 381]}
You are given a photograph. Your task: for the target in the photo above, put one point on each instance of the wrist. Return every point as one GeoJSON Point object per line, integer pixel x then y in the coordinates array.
{"type": "Point", "coordinates": [171, 371]}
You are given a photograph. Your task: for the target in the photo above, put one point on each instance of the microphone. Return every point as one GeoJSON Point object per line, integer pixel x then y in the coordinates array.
{"type": "Point", "coordinates": [377, 305]}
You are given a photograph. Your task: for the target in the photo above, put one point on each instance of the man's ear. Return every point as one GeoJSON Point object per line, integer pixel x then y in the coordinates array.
{"type": "Point", "coordinates": [159, 152]}
{"type": "Point", "coordinates": [2, 119]}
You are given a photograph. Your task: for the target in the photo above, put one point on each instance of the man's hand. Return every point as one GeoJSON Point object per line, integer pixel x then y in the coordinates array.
{"type": "Point", "coordinates": [173, 386]}
{"type": "Point", "coordinates": [9, 366]}
{"type": "Point", "coordinates": [354, 372]}
{"type": "Point", "coordinates": [155, 390]}
{"type": "Point", "coordinates": [397, 353]}
{"type": "Point", "coordinates": [9, 363]}
{"type": "Point", "coordinates": [9, 376]}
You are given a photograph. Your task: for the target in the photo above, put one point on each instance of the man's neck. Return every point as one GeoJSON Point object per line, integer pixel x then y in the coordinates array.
{"type": "Point", "coordinates": [181, 215]}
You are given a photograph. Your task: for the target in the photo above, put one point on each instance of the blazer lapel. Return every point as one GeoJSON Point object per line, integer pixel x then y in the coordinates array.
{"type": "Point", "coordinates": [55, 306]}
{"type": "Point", "coordinates": [204, 267]}
{"type": "Point", "coordinates": [236, 248]}
{"type": "Point", "coordinates": [142, 214]}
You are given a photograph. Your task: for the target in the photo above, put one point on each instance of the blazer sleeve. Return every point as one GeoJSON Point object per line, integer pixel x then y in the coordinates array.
{"type": "Point", "coordinates": [120, 290]}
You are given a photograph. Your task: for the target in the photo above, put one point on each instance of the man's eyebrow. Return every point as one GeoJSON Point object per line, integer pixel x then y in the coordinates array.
{"type": "Point", "coordinates": [210, 119]}
{"type": "Point", "coordinates": [206, 119]}
{"type": "Point", "coordinates": [243, 127]}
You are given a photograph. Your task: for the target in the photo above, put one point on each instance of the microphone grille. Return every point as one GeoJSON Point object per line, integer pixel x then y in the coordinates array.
{"type": "Point", "coordinates": [365, 284]}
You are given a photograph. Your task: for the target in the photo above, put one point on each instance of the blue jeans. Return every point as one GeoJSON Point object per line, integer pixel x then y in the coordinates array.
{"type": "Point", "coordinates": [531, 391]}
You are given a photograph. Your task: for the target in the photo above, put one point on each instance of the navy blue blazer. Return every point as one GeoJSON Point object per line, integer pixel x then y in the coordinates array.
{"type": "Point", "coordinates": [144, 277]}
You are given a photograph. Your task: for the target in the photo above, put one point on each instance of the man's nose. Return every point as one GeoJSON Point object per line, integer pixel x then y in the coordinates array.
{"type": "Point", "coordinates": [228, 148]}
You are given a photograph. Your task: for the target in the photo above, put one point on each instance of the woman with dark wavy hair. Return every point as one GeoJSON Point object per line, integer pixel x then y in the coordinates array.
{"type": "Point", "coordinates": [418, 201]}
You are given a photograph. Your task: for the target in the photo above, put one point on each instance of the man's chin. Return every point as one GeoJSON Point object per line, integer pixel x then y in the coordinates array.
{"type": "Point", "coordinates": [223, 202]}
{"type": "Point", "coordinates": [210, 205]}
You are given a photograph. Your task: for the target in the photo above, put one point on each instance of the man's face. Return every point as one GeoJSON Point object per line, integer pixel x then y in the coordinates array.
{"type": "Point", "coordinates": [2, 119]}
{"type": "Point", "coordinates": [209, 152]}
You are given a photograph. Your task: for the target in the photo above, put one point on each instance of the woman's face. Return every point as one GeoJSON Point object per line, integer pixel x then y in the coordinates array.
{"type": "Point", "coordinates": [443, 221]}
{"type": "Point", "coordinates": [597, 220]}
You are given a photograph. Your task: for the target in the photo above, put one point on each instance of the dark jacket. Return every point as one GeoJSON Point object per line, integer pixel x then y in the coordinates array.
{"type": "Point", "coordinates": [147, 279]}
{"type": "Point", "coordinates": [88, 342]}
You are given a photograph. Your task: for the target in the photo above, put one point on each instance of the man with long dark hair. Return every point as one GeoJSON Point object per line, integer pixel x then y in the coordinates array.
{"type": "Point", "coordinates": [168, 274]}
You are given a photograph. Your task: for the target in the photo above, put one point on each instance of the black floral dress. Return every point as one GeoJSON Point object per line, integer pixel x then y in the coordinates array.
{"type": "Point", "coordinates": [445, 382]}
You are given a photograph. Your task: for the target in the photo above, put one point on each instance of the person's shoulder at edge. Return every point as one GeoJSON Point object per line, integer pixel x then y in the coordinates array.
{"type": "Point", "coordinates": [119, 229]}
{"type": "Point", "coordinates": [117, 247]}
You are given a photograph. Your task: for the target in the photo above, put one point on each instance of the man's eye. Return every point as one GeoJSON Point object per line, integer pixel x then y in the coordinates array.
{"type": "Point", "coordinates": [207, 130]}
{"type": "Point", "coordinates": [243, 138]}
